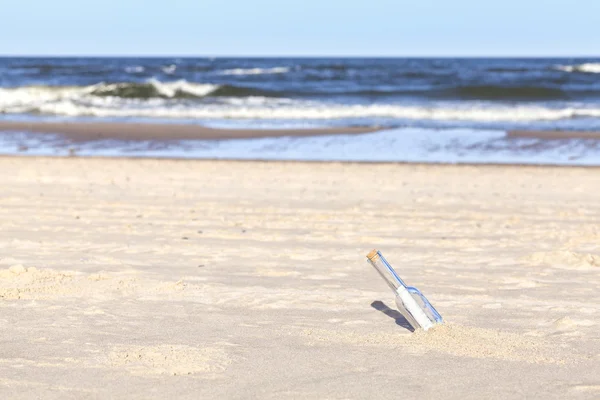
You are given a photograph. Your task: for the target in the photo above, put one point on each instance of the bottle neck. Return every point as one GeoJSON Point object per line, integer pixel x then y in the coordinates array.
{"type": "Point", "coordinates": [385, 270]}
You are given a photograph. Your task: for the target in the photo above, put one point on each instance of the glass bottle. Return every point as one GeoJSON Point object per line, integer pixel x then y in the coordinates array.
{"type": "Point", "coordinates": [410, 301]}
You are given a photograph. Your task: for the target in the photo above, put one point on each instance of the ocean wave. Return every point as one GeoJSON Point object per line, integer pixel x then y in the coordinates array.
{"type": "Point", "coordinates": [590, 68]}
{"type": "Point", "coordinates": [145, 90]}
{"type": "Point", "coordinates": [183, 89]}
{"type": "Point", "coordinates": [153, 88]}
{"type": "Point", "coordinates": [259, 108]}
{"type": "Point", "coordinates": [150, 89]}
{"type": "Point", "coordinates": [186, 100]}
{"type": "Point", "coordinates": [255, 71]}
{"type": "Point", "coordinates": [474, 92]}
{"type": "Point", "coordinates": [176, 90]}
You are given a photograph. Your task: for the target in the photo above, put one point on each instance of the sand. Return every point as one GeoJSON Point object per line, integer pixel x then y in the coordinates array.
{"type": "Point", "coordinates": [89, 131]}
{"type": "Point", "coordinates": [139, 279]}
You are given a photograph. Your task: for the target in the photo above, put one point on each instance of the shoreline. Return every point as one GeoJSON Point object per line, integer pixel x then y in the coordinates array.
{"type": "Point", "coordinates": [90, 131]}
{"type": "Point", "coordinates": [334, 144]}
{"type": "Point", "coordinates": [134, 131]}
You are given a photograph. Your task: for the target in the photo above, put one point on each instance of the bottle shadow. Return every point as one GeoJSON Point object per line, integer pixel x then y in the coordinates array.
{"type": "Point", "coordinates": [398, 318]}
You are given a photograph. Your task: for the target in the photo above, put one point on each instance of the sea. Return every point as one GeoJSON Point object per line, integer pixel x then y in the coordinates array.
{"type": "Point", "coordinates": [439, 110]}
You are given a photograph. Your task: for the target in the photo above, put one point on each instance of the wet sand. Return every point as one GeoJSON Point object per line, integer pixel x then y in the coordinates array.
{"type": "Point", "coordinates": [89, 131]}
{"type": "Point", "coordinates": [124, 278]}
{"type": "Point", "coordinates": [554, 135]}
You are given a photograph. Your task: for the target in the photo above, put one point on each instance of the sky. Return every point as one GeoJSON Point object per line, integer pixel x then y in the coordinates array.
{"type": "Point", "coordinates": [301, 27]}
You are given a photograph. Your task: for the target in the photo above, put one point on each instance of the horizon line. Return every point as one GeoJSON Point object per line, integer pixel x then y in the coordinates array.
{"type": "Point", "coordinates": [283, 56]}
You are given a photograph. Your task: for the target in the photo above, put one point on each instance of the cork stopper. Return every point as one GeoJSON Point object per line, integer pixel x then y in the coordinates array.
{"type": "Point", "coordinates": [372, 254]}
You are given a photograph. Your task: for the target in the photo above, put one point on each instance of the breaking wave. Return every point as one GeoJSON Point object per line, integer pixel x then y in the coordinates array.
{"type": "Point", "coordinates": [590, 68]}
{"type": "Point", "coordinates": [264, 108]}
{"type": "Point", "coordinates": [153, 88]}
{"type": "Point", "coordinates": [187, 100]}
{"type": "Point", "coordinates": [183, 89]}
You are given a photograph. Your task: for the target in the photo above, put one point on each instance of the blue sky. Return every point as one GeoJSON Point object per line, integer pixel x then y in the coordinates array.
{"type": "Point", "coordinates": [301, 27]}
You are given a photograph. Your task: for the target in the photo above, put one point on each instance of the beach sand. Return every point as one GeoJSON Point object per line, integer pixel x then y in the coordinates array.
{"type": "Point", "coordinates": [133, 279]}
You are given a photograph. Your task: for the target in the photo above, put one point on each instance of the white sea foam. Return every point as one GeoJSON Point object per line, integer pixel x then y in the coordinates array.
{"type": "Point", "coordinates": [112, 107]}
{"type": "Point", "coordinates": [166, 89]}
{"type": "Point", "coordinates": [398, 145]}
{"type": "Point", "coordinates": [134, 69]}
{"type": "Point", "coordinates": [591, 68]}
{"type": "Point", "coordinates": [169, 69]}
{"type": "Point", "coordinates": [404, 145]}
{"type": "Point", "coordinates": [170, 89]}
{"type": "Point", "coordinates": [255, 71]}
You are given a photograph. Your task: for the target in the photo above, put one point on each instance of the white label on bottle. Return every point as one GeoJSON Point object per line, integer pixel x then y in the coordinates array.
{"type": "Point", "coordinates": [414, 309]}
